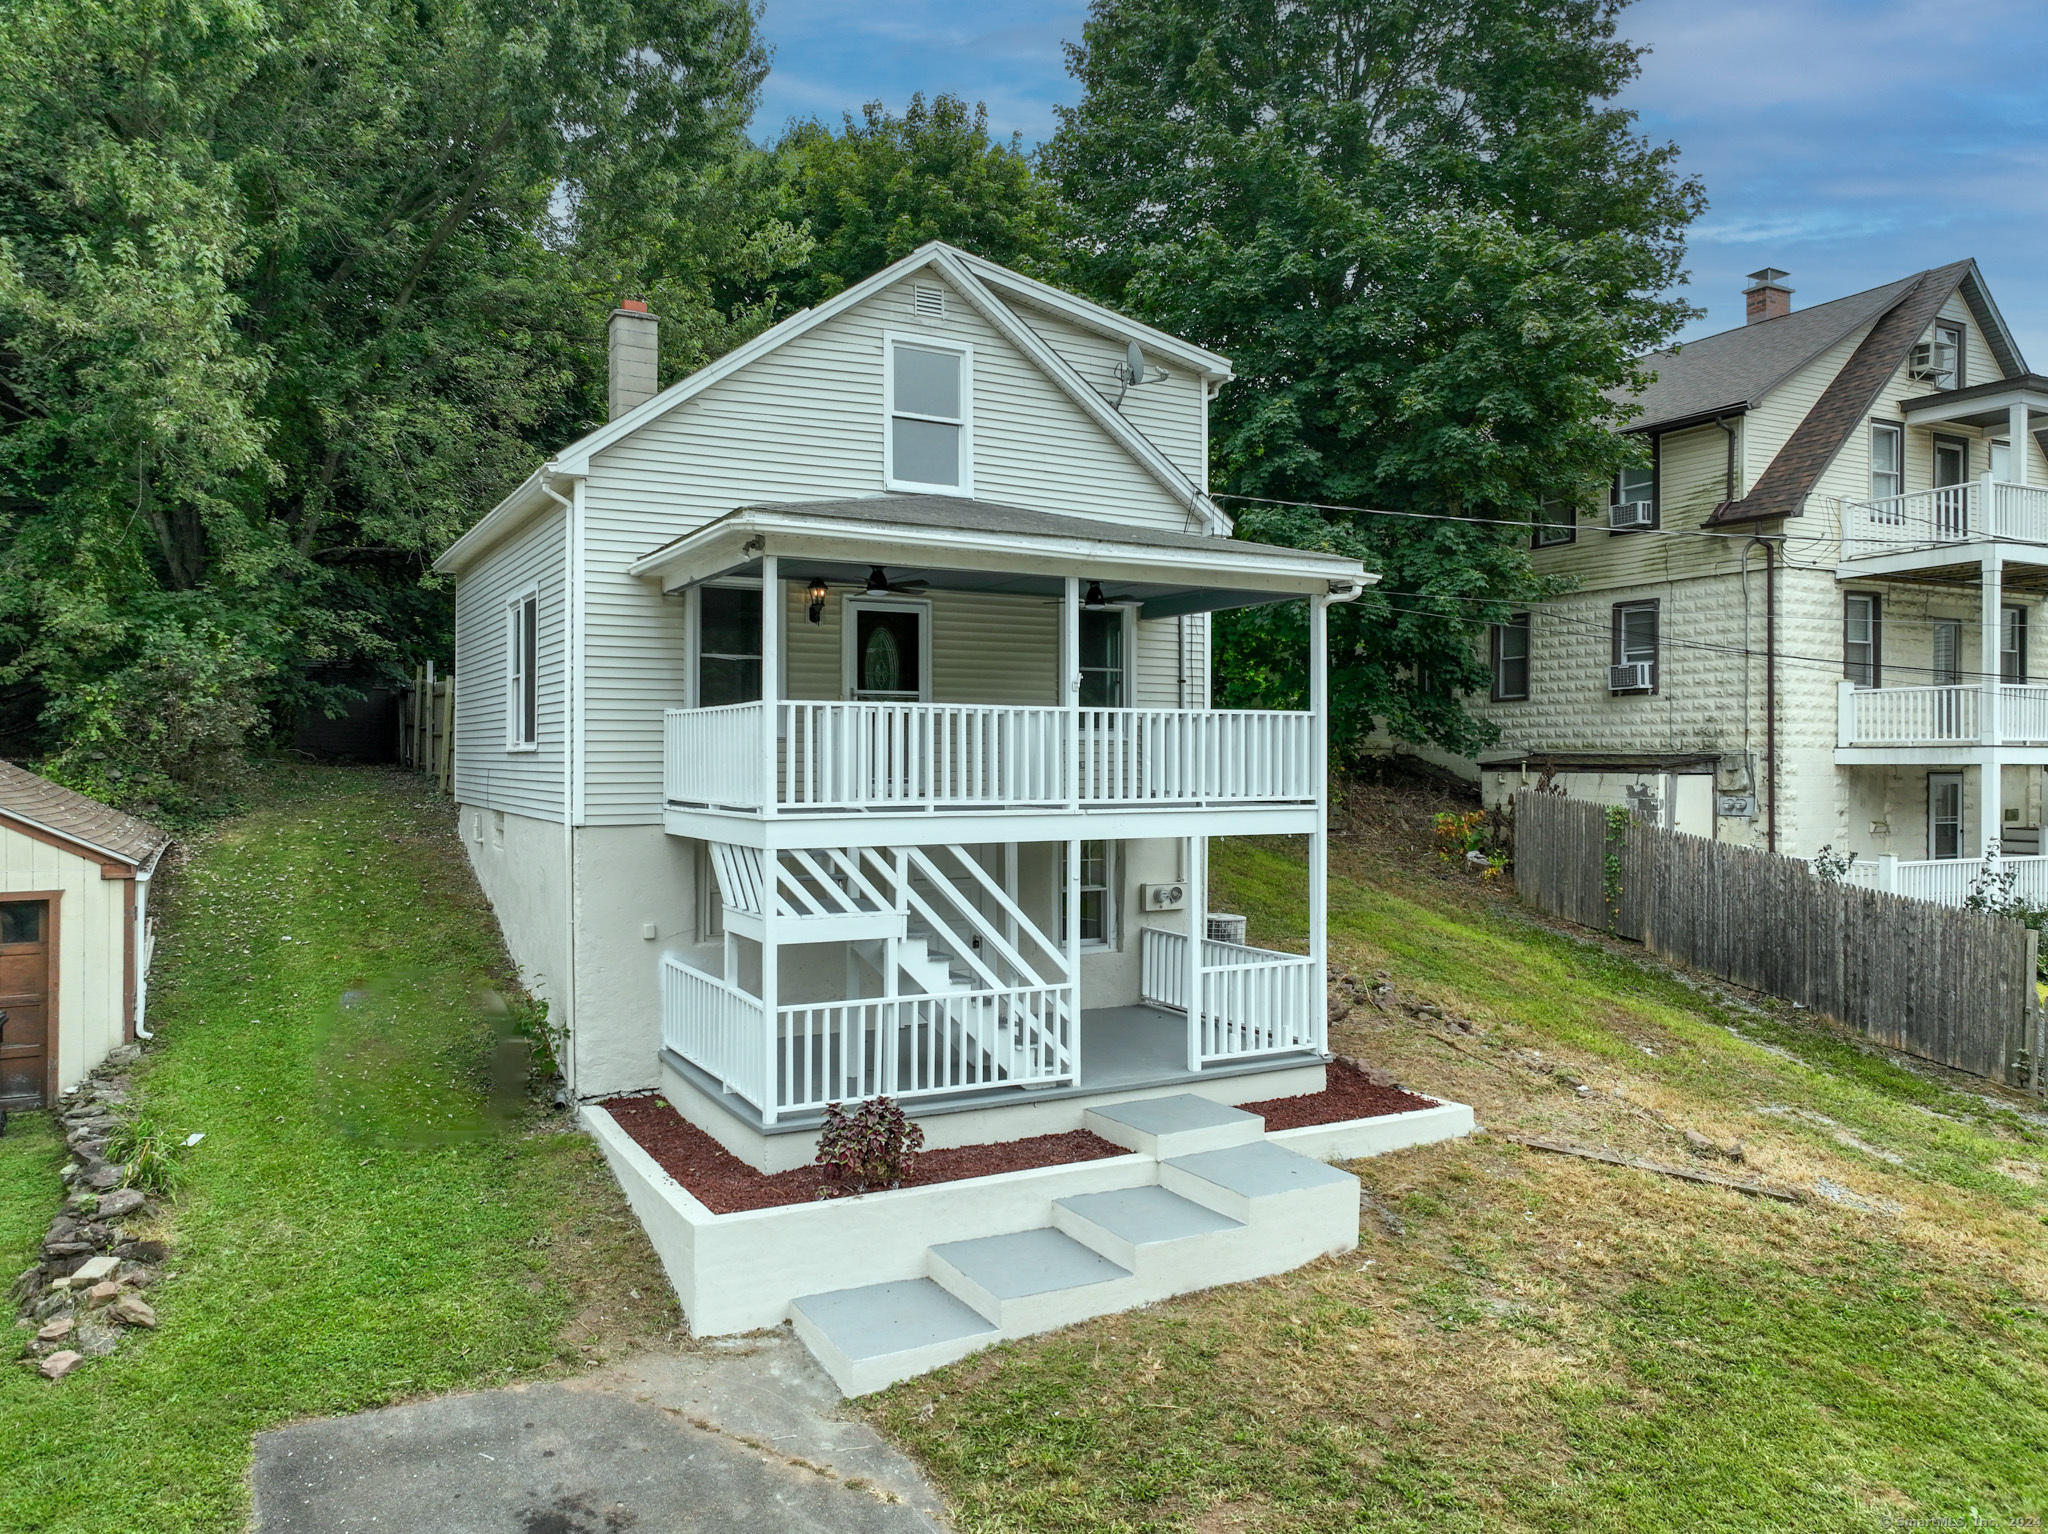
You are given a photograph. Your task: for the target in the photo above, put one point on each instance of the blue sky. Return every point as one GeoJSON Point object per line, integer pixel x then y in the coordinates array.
{"type": "Point", "coordinates": [1847, 141]}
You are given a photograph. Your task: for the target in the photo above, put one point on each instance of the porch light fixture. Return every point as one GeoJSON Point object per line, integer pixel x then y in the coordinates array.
{"type": "Point", "coordinates": [1095, 598]}
{"type": "Point", "coordinates": [816, 596]}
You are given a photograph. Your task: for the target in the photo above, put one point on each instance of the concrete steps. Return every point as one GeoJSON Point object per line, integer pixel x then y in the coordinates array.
{"type": "Point", "coordinates": [1215, 1203]}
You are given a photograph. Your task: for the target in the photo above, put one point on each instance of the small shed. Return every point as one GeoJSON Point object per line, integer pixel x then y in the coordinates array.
{"type": "Point", "coordinates": [74, 933]}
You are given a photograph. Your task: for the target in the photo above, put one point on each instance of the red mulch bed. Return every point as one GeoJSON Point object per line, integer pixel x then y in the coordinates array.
{"type": "Point", "coordinates": [724, 1184]}
{"type": "Point", "coordinates": [1350, 1094]}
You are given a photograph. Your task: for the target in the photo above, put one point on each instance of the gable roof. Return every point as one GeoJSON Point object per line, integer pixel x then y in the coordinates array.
{"type": "Point", "coordinates": [1736, 370]}
{"type": "Point", "coordinates": [96, 829]}
{"type": "Point", "coordinates": [974, 279]}
{"type": "Point", "coordinates": [1781, 490]}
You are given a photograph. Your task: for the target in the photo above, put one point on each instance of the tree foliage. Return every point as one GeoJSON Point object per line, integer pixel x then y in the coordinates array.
{"type": "Point", "coordinates": [884, 185]}
{"type": "Point", "coordinates": [292, 290]}
{"type": "Point", "coordinates": [1431, 245]}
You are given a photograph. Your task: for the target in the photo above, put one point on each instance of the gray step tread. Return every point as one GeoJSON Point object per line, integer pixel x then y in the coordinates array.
{"type": "Point", "coordinates": [878, 1320]}
{"type": "Point", "coordinates": [1149, 1215]}
{"type": "Point", "coordinates": [1178, 1114]}
{"type": "Point", "coordinates": [1259, 1169]}
{"type": "Point", "coordinates": [1028, 1262]}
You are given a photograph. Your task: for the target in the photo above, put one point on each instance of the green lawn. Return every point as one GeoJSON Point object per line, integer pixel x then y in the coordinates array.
{"type": "Point", "coordinates": [361, 1224]}
{"type": "Point", "coordinates": [1531, 1342]}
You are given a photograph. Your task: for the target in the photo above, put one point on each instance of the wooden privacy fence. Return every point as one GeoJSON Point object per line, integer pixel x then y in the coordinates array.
{"type": "Point", "coordinates": [1943, 983]}
{"type": "Point", "coordinates": [426, 726]}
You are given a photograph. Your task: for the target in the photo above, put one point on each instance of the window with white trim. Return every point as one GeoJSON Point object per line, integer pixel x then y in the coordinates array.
{"type": "Point", "coordinates": [1887, 460]}
{"type": "Point", "coordinates": [1635, 648]}
{"type": "Point", "coordinates": [522, 672]}
{"type": "Point", "coordinates": [728, 645]}
{"type": "Point", "coordinates": [2012, 646]}
{"type": "Point", "coordinates": [1098, 894]}
{"type": "Point", "coordinates": [1102, 658]}
{"type": "Point", "coordinates": [1862, 662]}
{"type": "Point", "coordinates": [929, 443]}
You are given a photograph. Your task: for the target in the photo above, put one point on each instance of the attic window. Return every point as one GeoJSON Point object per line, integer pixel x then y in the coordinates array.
{"type": "Point", "coordinates": [929, 302]}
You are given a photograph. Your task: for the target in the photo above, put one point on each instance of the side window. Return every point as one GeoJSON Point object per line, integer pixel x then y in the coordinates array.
{"type": "Point", "coordinates": [1887, 460]}
{"type": "Point", "coordinates": [2012, 646]}
{"type": "Point", "coordinates": [928, 444]}
{"type": "Point", "coordinates": [1557, 522]}
{"type": "Point", "coordinates": [1635, 496]}
{"type": "Point", "coordinates": [1861, 660]}
{"type": "Point", "coordinates": [522, 672]}
{"type": "Point", "coordinates": [1102, 658]}
{"type": "Point", "coordinates": [1634, 667]}
{"type": "Point", "coordinates": [1098, 894]}
{"type": "Point", "coordinates": [1955, 336]}
{"type": "Point", "coordinates": [728, 645]}
{"type": "Point", "coordinates": [1511, 659]}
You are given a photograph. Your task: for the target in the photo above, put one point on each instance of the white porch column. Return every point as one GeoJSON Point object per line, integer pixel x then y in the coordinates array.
{"type": "Point", "coordinates": [1070, 683]}
{"type": "Point", "coordinates": [771, 676]}
{"type": "Point", "coordinates": [1070, 907]}
{"type": "Point", "coordinates": [1888, 872]}
{"type": "Point", "coordinates": [1990, 819]}
{"type": "Point", "coordinates": [2016, 435]}
{"type": "Point", "coordinates": [1195, 853]}
{"type": "Point", "coordinates": [1319, 842]}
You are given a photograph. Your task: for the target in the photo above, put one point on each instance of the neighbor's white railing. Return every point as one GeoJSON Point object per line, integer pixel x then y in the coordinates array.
{"type": "Point", "coordinates": [1948, 880]}
{"type": "Point", "coordinates": [880, 756]}
{"type": "Point", "coordinates": [1254, 1001]}
{"type": "Point", "coordinates": [1922, 519]}
{"type": "Point", "coordinates": [841, 1051]}
{"type": "Point", "coordinates": [713, 755]}
{"type": "Point", "coordinates": [1952, 715]}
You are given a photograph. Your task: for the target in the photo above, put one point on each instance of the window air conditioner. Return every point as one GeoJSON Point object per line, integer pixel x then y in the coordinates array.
{"type": "Point", "coordinates": [1626, 516]}
{"type": "Point", "coordinates": [1629, 676]}
{"type": "Point", "coordinates": [1934, 360]}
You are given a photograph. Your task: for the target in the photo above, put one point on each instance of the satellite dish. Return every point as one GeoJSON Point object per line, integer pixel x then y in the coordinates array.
{"type": "Point", "coordinates": [1134, 365]}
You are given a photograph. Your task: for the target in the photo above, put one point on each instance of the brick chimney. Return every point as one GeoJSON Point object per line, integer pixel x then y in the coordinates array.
{"type": "Point", "coordinates": [1767, 296]}
{"type": "Point", "coordinates": [635, 346]}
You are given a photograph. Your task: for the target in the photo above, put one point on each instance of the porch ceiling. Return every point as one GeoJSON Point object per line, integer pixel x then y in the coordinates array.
{"type": "Point", "coordinates": [955, 544]}
{"type": "Point", "coordinates": [1985, 404]}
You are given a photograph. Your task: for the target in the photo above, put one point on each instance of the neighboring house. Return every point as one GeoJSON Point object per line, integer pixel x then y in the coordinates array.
{"type": "Point", "coordinates": [1806, 620]}
{"type": "Point", "coordinates": [74, 933]}
{"type": "Point", "coordinates": [834, 723]}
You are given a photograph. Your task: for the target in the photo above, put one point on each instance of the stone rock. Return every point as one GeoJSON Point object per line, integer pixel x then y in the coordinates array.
{"type": "Point", "coordinates": [142, 1251]}
{"type": "Point", "coordinates": [67, 1248]}
{"type": "Point", "coordinates": [136, 1276]}
{"type": "Point", "coordinates": [25, 1286]}
{"type": "Point", "coordinates": [106, 1178]}
{"type": "Point", "coordinates": [93, 1270]}
{"type": "Point", "coordinates": [121, 1203]}
{"type": "Point", "coordinates": [55, 1331]}
{"type": "Point", "coordinates": [132, 1310]}
{"type": "Point", "coordinates": [101, 1292]}
{"type": "Point", "coordinates": [94, 1123]}
{"type": "Point", "coordinates": [57, 1365]}
{"type": "Point", "coordinates": [124, 1054]}
{"type": "Point", "coordinates": [97, 1338]}
{"type": "Point", "coordinates": [55, 1303]}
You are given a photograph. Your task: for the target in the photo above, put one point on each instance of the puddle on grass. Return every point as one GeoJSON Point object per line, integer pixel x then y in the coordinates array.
{"type": "Point", "coordinates": [399, 1065]}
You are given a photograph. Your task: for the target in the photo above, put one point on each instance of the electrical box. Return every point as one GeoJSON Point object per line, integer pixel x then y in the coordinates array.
{"type": "Point", "coordinates": [1735, 806]}
{"type": "Point", "coordinates": [1163, 897]}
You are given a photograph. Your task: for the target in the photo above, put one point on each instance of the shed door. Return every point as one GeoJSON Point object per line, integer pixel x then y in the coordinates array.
{"type": "Point", "coordinates": [25, 997]}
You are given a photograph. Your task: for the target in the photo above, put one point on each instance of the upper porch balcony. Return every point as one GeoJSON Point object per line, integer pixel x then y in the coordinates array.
{"type": "Point", "coordinates": [1941, 725]}
{"type": "Point", "coordinates": [863, 670]}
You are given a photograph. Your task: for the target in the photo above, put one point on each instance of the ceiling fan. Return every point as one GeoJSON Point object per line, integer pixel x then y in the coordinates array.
{"type": "Point", "coordinates": [879, 585]}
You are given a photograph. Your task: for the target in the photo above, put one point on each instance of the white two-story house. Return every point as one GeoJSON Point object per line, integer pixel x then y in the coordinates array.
{"type": "Point", "coordinates": [834, 723]}
{"type": "Point", "coordinates": [1806, 620]}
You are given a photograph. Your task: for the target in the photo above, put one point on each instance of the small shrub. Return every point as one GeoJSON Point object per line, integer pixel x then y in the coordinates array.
{"type": "Point", "coordinates": [1832, 867]}
{"type": "Point", "coordinates": [150, 1155]}
{"type": "Point", "coordinates": [872, 1147]}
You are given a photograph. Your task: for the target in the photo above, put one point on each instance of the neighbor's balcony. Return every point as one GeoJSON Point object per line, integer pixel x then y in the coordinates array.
{"type": "Point", "coordinates": [1887, 717]}
{"type": "Point", "coordinates": [1982, 510]}
{"type": "Point", "coordinates": [867, 757]}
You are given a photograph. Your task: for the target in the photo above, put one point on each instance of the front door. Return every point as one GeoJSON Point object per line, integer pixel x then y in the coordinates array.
{"type": "Point", "coordinates": [1951, 492]}
{"type": "Point", "coordinates": [889, 654]}
{"type": "Point", "coordinates": [1944, 814]}
{"type": "Point", "coordinates": [25, 997]}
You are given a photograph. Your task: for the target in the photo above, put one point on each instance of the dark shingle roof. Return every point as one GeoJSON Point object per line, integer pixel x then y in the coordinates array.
{"type": "Point", "coordinates": [1737, 368]}
{"type": "Point", "coordinates": [74, 817]}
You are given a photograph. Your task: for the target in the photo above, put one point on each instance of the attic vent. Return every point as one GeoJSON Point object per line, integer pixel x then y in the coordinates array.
{"type": "Point", "coordinates": [929, 302]}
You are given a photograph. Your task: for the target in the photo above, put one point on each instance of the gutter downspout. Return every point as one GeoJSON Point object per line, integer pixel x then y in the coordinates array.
{"type": "Point", "coordinates": [570, 533]}
{"type": "Point", "coordinates": [1728, 493]}
{"type": "Point", "coordinates": [138, 935]}
{"type": "Point", "coordinates": [1770, 684]}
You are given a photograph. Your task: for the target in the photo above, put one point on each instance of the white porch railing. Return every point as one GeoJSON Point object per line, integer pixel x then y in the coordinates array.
{"type": "Point", "coordinates": [1932, 716]}
{"type": "Point", "coordinates": [1925, 519]}
{"type": "Point", "coordinates": [841, 1051]}
{"type": "Point", "coordinates": [918, 756]}
{"type": "Point", "coordinates": [1949, 880]}
{"type": "Point", "coordinates": [1254, 1001]}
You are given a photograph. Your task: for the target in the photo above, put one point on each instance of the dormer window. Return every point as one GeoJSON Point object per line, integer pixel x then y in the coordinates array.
{"type": "Point", "coordinates": [929, 445]}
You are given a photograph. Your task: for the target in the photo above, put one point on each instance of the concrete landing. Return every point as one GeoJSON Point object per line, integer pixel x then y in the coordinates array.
{"type": "Point", "coordinates": [620, 1449]}
{"type": "Point", "coordinates": [1179, 1125]}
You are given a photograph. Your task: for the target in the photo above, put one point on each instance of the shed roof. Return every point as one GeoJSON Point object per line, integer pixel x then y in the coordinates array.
{"type": "Point", "coordinates": [95, 827]}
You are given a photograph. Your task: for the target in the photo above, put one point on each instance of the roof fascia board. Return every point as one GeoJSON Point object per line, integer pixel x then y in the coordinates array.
{"type": "Point", "coordinates": [1687, 422]}
{"type": "Point", "coordinates": [741, 527]}
{"type": "Point", "coordinates": [69, 838]}
{"type": "Point", "coordinates": [1056, 367]}
{"type": "Point", "coordinates": [495, 525]}
{"type": "Point", "coordinates": [1092, 315]}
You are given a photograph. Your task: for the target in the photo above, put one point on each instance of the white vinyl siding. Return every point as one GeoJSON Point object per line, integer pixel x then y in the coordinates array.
{"type": "Point", "coordinates": [525, 782]}
{"type": "Point", "coordinates": [806, 422]}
